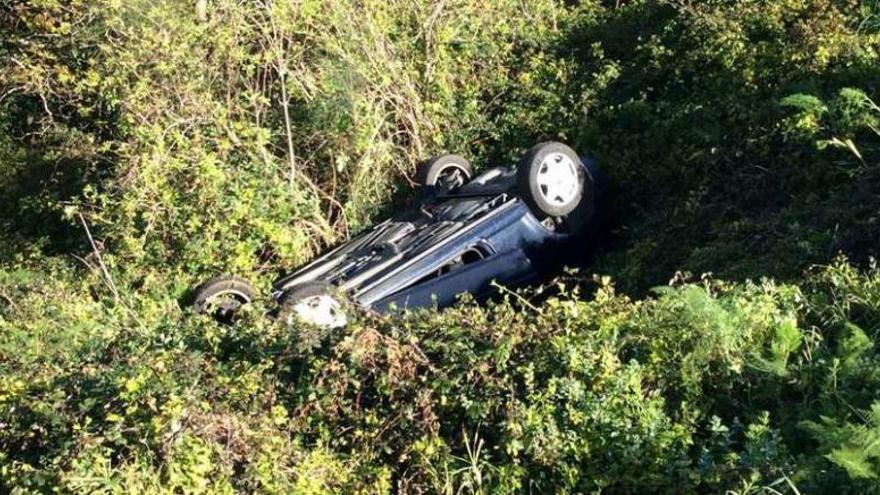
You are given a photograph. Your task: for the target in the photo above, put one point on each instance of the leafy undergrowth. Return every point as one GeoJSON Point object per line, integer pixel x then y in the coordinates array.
{"type": "Point", "coordinates": [740, 138]}
{"type": "Point", "coordinates": [704, 387]}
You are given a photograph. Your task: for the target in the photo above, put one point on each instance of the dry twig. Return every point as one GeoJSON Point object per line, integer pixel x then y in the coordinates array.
{"type": "Point", "coordinates": [106, 273]}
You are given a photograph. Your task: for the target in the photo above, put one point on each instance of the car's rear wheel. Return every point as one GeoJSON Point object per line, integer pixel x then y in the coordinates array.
{"type": "Point", "coordinates": [444, 173]}
{"type": "Point", "coordinates": [552, 180]}
{"type": "Point", "coordinates": [222, 297]}
{"type": "Point", "coordinates": [314, 303]}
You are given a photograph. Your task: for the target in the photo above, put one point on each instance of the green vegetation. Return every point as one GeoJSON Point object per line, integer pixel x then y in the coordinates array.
{"type": "Point", "coordinates": [191, 138]}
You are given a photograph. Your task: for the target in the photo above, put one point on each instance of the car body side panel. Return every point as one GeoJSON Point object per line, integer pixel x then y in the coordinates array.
{"type": "Point", "coordinates": [498, 230]}
{"type": "Point", "coordinates": [511, 236]}
{"type": "Point", "coordinates": [505, 268]}
{"type": "Point", "coordinates": [321, 265]}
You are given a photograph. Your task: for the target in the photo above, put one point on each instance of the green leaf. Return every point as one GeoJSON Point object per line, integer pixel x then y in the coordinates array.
{"type": "Point", "coordinates": [853, 461]}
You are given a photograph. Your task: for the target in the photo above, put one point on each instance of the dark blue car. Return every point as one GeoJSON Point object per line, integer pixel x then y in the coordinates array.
{"type": "Point", "coordinates": [507, 225]}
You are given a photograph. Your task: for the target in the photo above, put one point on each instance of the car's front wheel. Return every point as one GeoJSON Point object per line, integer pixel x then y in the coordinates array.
{"type": "Point", "coordinates": [314, 303]}
{"type": "Point", "coordinates": [552, 180]}
{"type": "Point", "coordinates": [444, 173]}
{"type": "Point", "coordinates": [223, 297]}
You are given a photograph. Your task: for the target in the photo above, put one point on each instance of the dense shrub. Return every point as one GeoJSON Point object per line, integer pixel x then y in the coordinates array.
{"type": "Point", "coordinates": [723, 125]}
{"type": "Point", "coordinates": [718, 170]}
{"type": "Point", "coordinates": [261, 131]}
{"type": "Point", "coordinates": [740, 138]}
{"type": "Point", "coordinates": [705, 387]}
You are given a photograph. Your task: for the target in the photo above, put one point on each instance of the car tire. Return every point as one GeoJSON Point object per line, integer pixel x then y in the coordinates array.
{"type": "Point", "coordinates": [315, 303]}
{"type": "Point", "coordinates": [552, 180]}
{"type": "Point", "coordinates": [444, 173]}
{"type": "Point", "coordinates": [222, 297]}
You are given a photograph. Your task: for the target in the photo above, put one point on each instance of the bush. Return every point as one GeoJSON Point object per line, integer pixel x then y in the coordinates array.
{"type": "Point", "coordinates": [164, 125]}
{"type": "Point", "coordinates": [740, 138]}
{"type": "Point", "coordinates": [707, 387]}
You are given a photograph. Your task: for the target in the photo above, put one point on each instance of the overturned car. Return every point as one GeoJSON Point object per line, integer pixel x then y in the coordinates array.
{"type": "Point", "coordinates": [506, 225]}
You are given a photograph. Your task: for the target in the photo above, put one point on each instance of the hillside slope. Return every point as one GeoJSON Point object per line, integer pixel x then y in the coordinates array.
{"type": "Point", "coordinates": [741, 140]}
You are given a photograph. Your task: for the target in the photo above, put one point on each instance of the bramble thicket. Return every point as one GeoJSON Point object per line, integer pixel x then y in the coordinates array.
{"type": "Point", "coordinates": [727, 343]}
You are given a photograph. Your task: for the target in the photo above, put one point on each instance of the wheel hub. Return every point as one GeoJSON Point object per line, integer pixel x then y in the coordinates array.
{"type": "Point", "coordinates": [452, 177]}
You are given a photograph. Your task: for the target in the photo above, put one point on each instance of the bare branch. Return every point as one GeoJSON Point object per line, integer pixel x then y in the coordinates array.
{"type": "Point", "coordinates": [106, 273]}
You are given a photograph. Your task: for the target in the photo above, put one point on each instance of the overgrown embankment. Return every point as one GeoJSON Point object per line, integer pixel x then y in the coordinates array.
{"type": "Point", "coordinates": [741, 138]}
{"type": "Point", "coordinates": [702, 388]}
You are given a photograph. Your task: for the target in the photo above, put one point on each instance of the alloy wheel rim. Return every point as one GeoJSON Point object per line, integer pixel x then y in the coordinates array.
{"type": "Point", "coordinates": [322, 311]}
{"type": "Point", "coordinates": [557, 179]}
